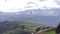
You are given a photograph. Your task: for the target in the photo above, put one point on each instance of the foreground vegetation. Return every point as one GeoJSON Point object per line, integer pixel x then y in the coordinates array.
{"type": "Point", "coordinates": [16, 27]}
{"type": "Point", "coordinates": [19, 30]}
{"type": "Point", "coordinates": [50, 32]}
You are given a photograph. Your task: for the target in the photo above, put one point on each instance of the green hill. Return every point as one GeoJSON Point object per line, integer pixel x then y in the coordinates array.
{"type": "Point", "coordinates": [7, 27]}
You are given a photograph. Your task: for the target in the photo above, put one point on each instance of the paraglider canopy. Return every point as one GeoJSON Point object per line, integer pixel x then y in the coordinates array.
{"type": "Point", "coordinates": [33, 3]}
{"type": "Point", "coordinates": [30, 4]}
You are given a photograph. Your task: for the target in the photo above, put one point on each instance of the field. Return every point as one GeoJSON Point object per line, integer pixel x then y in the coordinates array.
{"type": "Point", "coordinates": [50, 32]}
{"type": "Point", "coordinates": [17, 27]}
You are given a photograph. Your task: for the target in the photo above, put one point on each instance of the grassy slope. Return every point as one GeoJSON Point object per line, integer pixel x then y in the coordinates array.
{"type": "Point", "coordinates": [30, 26]}
{"type": "Point", "coordinates": [50, 32]}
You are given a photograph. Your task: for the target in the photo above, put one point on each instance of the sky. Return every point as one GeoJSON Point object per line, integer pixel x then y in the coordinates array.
{"type": "Point", "coordinates": [21, 5]}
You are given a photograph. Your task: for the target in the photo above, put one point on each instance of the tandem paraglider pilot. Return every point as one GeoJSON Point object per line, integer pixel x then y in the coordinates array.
{"type": "Point", "coordinates": [58, 29]}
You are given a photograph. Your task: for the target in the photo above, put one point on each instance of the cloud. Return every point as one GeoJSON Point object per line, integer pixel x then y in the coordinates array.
{"type": "Point", "coordinates": [49, 13]}
{"type": "Point", "coordinates": [58, 2]}
{"type": "Point", "coordinates": [13, 4]}
{"type": "Point", "coordinates": [46, 4]}
{"type": "Point", "coordinates": [22, 4]}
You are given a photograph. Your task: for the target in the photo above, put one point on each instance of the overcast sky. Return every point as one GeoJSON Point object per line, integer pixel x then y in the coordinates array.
{"type": "Point", "coordinates": [21, 5]}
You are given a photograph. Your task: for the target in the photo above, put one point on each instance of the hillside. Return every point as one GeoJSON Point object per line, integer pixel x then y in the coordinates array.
{"type": "Point", "coordinates": [13, 25]}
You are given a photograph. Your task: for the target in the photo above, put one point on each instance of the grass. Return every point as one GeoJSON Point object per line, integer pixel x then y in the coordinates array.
{"type": "Point", "coordinates": [50, 32]}
{"type": "Point", "coordinates": [17, 30]}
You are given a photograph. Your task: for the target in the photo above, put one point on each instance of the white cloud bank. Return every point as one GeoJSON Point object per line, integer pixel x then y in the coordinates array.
{"type": "Point", "coordinates": [49, 13]}
{"type": "Point", "coordinates": [19, 5]}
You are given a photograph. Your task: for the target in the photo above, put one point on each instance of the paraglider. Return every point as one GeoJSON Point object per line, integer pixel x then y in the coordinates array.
{"type": "Point", "coordinates": [41, 0]}
{"type": "Point", "coordinates": [31, 12]}
{"type": "Point", "coordinates": [58, 29]}
{"type": "Point", "coordinates": [33, 3]}
{"type": "Point", "coordinates": [30, 4]}
{"type": "Point", "coordinates": [7, 0]}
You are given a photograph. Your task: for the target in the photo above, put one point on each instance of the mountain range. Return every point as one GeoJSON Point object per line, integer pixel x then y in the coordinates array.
{"type": "Point", "coordinates": [36, 15]}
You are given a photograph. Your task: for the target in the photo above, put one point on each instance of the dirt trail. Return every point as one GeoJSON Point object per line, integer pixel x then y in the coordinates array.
{"type": "Point", "coordinates": [42, 31]}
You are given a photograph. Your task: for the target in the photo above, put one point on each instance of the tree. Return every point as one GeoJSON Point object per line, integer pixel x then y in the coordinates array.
{"type": "Point", "coordinates": [22, 27]}
{"type": "Point", "coordinates": [38, 29]}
